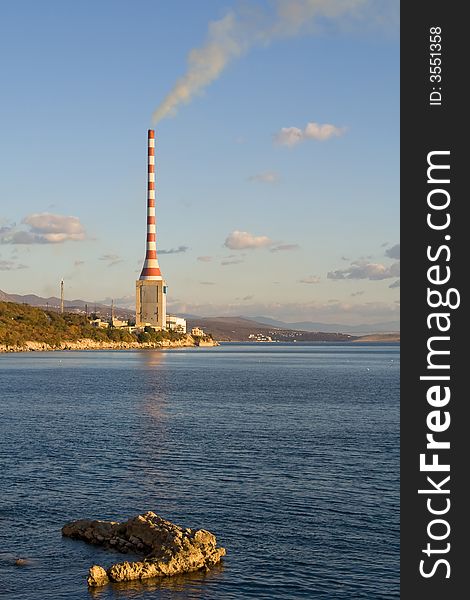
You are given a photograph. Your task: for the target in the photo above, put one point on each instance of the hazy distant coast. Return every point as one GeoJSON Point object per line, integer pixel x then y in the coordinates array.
{"type": "Point", "coordinates": [379, 337]}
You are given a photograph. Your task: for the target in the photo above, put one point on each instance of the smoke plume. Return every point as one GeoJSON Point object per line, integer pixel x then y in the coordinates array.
{"type": "Point", "coordinates": [233, 35]}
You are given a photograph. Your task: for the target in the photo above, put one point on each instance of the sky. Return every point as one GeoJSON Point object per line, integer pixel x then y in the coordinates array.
{"type": "Point", "coordinates": [277, 153]}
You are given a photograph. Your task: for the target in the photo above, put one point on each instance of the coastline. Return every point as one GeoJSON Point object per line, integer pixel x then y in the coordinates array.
{"type": "Point", "coordinates": [378, 337]}
{"type": "Point", "coordinates": [89, 344]}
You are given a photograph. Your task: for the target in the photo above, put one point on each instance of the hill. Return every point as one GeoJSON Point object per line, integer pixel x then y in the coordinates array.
{"type": "Point", "coordinates": [21, 323]}
{"type": "Point", "coordinates": [379, 337]}
{"type": "Point", "coordinates": [239, 329]}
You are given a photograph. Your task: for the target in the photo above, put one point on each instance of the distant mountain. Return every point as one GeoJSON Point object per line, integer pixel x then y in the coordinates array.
{"type": "Point", "coordinates": [4, 297]}
{"type": "Point", "coordinates": [384, 327]}
{"type": "Point", "coordinates": [240, 329]}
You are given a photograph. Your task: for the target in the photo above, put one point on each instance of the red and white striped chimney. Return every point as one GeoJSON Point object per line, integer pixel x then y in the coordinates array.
{"type": "Point", "coordinates": [151, 269]}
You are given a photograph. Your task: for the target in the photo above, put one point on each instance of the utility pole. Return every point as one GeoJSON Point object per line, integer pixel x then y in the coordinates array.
{"type": "Point", "coordinates": [62, 296]}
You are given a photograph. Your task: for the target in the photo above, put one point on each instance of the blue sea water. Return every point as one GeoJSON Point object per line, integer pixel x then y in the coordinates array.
{"type": "Point", "coordinates": [289, 453]}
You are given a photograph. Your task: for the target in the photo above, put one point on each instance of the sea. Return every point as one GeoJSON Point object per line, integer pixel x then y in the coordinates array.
{"type": "Point", "coordinates": [288, 453]}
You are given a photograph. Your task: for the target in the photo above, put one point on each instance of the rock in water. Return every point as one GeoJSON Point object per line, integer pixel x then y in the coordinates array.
{"type": "Point", "coordinates": [21, 562]}
{"type": "Point", "coordinates": [97, 576]}
{"type": "Point", "coordinates": [168, 548]}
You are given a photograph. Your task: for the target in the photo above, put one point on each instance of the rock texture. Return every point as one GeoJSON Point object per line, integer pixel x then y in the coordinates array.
{"type": "Point", "coordinates": [88, 344]}
{"type": "Point", "coordinates": [168, 548]}
{"type": "Point", "coordinates": [97, 576]}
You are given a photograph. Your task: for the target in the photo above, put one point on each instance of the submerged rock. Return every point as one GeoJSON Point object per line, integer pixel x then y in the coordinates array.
{"type": "Point", "coordinates": [21, 562]}
{"type": "Point", "coordinates": [168, 548]}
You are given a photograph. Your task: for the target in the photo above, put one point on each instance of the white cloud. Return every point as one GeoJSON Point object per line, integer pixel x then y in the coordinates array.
{"type": "Point", "coordinates": [266, 177]}
{"type": "Point", "coordinates": [55, 228]}
{"type": "Point", "coordinates": [204, 258]}
{"type": "Point", "coordinates": [310, 279]}
{"type": "Point", "coordinates": [242, 240]}
{"type": "Point", "coordinates": [290, 136]}
{"type": "Point", "coordinates": [234, 261]}
{"type": "Point", "coordinates": [44, 228]}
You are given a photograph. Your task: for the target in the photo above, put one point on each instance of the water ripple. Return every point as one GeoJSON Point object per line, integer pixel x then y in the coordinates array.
{"type": "Point", "coordinates": [288, 453]}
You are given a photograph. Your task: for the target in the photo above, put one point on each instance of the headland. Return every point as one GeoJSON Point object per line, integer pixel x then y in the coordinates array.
{"type": "Point", "coordinates": [26, 328]}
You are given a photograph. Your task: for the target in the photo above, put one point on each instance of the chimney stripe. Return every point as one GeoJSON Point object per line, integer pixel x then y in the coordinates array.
{"type": "Point", "coordinates": [150, 273]}
{"type": "Point", "coordinates": [151, 269]}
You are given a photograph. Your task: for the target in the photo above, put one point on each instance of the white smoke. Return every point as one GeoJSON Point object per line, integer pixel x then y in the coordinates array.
{"type": "Point", "coordinates": [233, 35]}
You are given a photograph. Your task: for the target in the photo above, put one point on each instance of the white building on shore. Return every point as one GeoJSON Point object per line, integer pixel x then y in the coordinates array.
{"type": "Point", "coordinates": [174, 323]}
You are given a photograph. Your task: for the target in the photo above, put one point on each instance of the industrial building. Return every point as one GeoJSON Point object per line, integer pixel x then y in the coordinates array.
{"type": "Point", "coordinates": [174, 323]}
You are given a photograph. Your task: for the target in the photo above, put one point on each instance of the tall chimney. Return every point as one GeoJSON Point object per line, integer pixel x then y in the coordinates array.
{"type": "Point", "coordinates": [151, 289]}
{"type": "Point", "coordinates": [151, 269]}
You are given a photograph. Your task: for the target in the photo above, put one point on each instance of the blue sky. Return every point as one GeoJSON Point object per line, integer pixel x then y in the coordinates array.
{"type": "Point", "coordinates": [300, 224]}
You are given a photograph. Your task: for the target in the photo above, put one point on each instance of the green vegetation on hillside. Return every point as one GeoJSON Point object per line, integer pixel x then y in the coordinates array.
{"type": "Point", "coordinates": [21, 323]}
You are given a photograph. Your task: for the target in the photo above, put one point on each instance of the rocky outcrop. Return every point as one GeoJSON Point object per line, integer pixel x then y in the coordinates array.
{"type": "Point", "coordinates": [97, 576]}
{"type": "Point", "coordinates": [206, 342]}
{"type": "Point", "coordinates": [168, 548]}
{"type": "Point", "coordinates": [89, 344]}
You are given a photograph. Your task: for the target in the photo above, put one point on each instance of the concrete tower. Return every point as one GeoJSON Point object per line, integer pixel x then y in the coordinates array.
{"type": "Point", "coordinates": [150, 288]}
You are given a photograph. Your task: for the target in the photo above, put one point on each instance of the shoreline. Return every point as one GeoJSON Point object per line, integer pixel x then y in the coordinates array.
{"type": "Point", "coordinates": [89, 344]}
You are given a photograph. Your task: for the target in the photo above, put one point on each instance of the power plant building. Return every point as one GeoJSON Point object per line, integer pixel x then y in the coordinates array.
{"type": "Point", "coordinates": [151, 288]}
{"type": "Point", "coordinates": [174, 323]}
